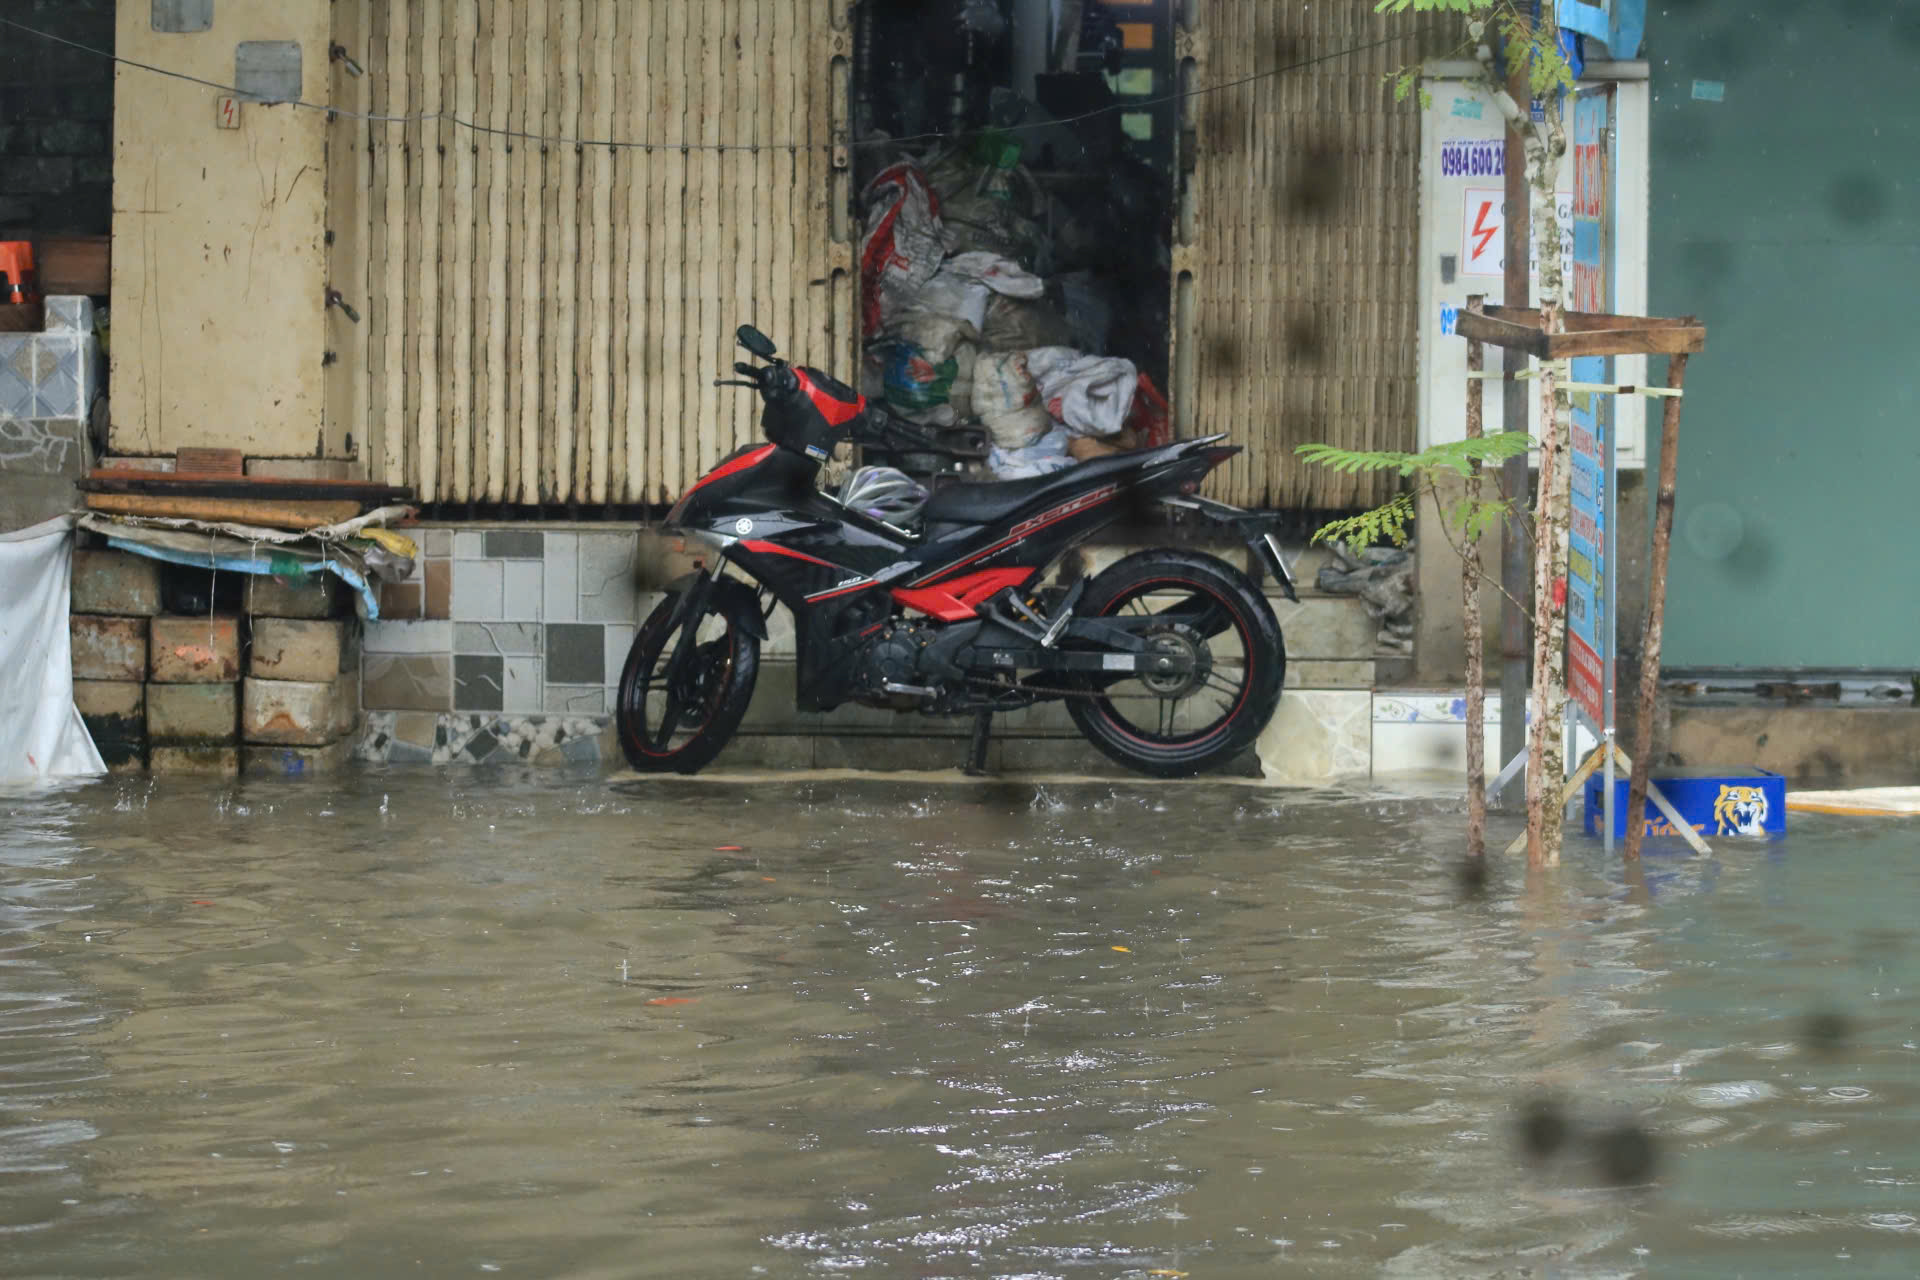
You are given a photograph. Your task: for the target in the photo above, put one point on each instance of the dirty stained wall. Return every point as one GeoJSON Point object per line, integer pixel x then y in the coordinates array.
{"type": "Point", "coordinates": [218, 265]}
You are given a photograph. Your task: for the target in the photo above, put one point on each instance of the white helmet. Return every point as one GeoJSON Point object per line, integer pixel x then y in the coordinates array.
{"type": "Point", "coordinates": [884, 493]}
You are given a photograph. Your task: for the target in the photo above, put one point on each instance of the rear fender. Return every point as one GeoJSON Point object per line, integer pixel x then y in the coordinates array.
{"type": "Point", "coordinates": [740, 601]}
{"type": "Point", "coordinates": [1251, 527]}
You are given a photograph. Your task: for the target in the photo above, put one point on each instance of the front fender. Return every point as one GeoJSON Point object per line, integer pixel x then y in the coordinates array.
{"type": "Point", "coordinates": [740, 601]}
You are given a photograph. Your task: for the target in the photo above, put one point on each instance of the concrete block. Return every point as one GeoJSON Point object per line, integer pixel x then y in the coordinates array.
{"type": "Point", "coordinates": [346, 704]}
{"type": "Point", "coordinates": [292, 649]}
{"type": "Point", "coordinates": [115, 582]}
{"type": "Point", "coordinates": [193, 650]}
{"type": "Point", "coordinates": [295, 762]}
{"type": "Point", "coordinates": [313, 595]}
{"type": "Point", "coordinates": [108, 648]}
{"type": "Point", "coordinates": [115, 712]}
{"type": "Point", "coordinates": [193, 713]}
{"type": "Point", "coordinates": [298, 713]}
{"type": "Point", "coordinates": [224, 761]}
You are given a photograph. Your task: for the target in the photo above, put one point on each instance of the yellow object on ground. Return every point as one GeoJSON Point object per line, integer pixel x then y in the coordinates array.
{"type": "Point", "coordinates": [1871, 802]}
{"type": "Point", "coordinates": [398, 543]}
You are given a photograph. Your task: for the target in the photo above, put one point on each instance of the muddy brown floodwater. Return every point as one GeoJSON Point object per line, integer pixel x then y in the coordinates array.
{"type": "Point", "coordinates": [445, 1023]}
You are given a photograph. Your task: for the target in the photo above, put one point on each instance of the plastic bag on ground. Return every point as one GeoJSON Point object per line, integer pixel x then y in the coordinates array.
{"type": "Point", "coordinates": [1046, 455]}
{"type": "Point", "coordinates": [903, 244]}
{"type": "Point", "coordinates": [1092, 395]}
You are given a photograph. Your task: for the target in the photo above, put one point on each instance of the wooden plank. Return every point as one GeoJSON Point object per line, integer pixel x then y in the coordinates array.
{"type": "Point", "coordinates": [714, 39]}
{"type": "Point", "coordinates": [781, 322]}
{"type": "Point", "coordinates": [427, 336]}
{"type": "Point", "coordinates": [1494, 331]}
{"type": "Point", "coordinates": [1623, 342]}
{"type": "Point", "coordinates": [268, 514]}
{"type": "Point", "coordinates": [673, 111]}
{"type": "Point", "coordinates": [379, 311]}
{"type": "Point", "coordinates": [500, 90]}
{"type": "Point", "coordinates": [653, 122]}
{"type": "Point", "coordinates": [463, 212]}
{"type": "Point", "coordinates": [619, 389]}
{"type": "Point", "coordinates": [591, 473]}
{"type": "Point", "coordinates": [741, 105]}
{"type": "Point", "coordinates": [765, 54]}
{"type": "Point", "coordinates": [1584, 321]}
{"type": "Point", "coordinates": [354, 263]}
{"type": "Point", "coordinates": [563, 271]}
{"type": "Point", "coordinates": [637, 234]}
{"type": "Point", "coordinates": [71, 264]}
{"type": "Point", "coordinates": [393, 163]}
{"type": "Point", "coordinates": [529, 311]}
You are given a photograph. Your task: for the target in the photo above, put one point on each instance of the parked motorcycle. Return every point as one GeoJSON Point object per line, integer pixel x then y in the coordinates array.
{"type": "Point", "coordinates": [1169, 661]}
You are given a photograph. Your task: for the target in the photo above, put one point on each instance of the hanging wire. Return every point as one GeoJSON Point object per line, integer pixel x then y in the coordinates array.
{"type": "Point", "coordinates": [425, 117]}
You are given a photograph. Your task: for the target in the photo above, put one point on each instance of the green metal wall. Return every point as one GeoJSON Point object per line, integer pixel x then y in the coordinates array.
{"type": "Point", "coordinates": [1787, 216]}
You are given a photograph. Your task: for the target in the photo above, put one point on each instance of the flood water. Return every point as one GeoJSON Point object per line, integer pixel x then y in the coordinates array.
{"type": "Point", "coordinates": [445, 1023]}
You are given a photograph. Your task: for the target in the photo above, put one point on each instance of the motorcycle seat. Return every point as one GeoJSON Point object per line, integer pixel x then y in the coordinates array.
{"type": "Point", "coordinates": [984, 503]}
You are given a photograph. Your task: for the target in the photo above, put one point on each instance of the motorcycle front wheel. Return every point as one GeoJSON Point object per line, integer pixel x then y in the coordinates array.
{"type": "Point", "coordinates": [683, 695]}
{"type": "Point", "coordinates": [1208, 613]}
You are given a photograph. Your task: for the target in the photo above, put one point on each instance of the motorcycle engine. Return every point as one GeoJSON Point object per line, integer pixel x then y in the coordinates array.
{"type": "Point", "coordinates": [893, 657]}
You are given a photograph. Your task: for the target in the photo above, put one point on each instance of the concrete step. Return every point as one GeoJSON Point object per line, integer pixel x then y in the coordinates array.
{"type": "Point", "coordinates": [894, 753]}
{"type": "Point", "coordinates": [773, 711]}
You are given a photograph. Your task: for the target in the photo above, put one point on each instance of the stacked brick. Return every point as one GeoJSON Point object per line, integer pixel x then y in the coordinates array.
{"type": "Point", "coordinates": [276, 690]}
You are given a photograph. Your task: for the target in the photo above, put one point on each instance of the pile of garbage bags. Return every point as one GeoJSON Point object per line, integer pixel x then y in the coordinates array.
{"type": "Point", "coordinates": [961, 325]}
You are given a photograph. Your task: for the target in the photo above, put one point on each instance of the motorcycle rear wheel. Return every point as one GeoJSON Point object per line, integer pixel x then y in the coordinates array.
{"type": "Point", "coordinates": [1206, 610]}
{"type": "Point", "coordinates": [707, 699]}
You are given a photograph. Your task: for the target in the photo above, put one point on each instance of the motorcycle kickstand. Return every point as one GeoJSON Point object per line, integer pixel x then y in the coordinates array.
{"type": "Point", "coordinates": [977, 748]}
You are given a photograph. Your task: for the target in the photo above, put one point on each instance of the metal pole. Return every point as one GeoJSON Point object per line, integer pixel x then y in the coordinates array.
{"type": "Point", "coordinates": [1516, 560]}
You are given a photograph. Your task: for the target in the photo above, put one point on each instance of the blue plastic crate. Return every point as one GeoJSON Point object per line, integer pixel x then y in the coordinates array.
{"type": "Point", "coordinates": [1716, 801]}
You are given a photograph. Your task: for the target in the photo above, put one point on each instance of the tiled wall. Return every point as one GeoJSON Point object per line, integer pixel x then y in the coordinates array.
{"type": "Point", "coordinates": [47, 384]}
{"type": "Point", "coordinates": [517, 621]}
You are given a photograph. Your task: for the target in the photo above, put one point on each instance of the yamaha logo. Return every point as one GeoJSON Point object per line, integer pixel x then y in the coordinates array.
{"type": "Point", "coordinates": [743, 526]}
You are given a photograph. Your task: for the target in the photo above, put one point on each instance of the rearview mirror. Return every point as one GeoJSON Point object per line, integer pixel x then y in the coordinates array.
{"type": "Point", "coordinates": [755, 341]}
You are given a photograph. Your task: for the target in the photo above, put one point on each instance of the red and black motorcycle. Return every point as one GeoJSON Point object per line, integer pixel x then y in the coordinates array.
{"type": "Point", "coordinates": [1169, 661]}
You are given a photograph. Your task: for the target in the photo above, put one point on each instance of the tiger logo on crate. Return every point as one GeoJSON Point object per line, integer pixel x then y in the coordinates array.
{"type": "Point", "coordinates": [1740, 811]}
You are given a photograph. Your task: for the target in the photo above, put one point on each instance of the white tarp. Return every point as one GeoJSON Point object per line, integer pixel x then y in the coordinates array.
{"type": "Point", "coordinates": [41, 733]}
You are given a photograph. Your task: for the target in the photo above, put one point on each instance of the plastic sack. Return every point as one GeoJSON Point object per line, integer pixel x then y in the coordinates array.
{"type": "Point", "coordinates": [914, 383]}
{"type": "Point", "coordinates": [903, 245]}
{"type": "Point", "coordinates": [1043, 457]}
{"type": "Point", "coordinates": [1020, 324]}
{"type": "Point", "coordinates": [1151, 421]}
{"type": "Point", "coordinates": [963, 286]}
{"type": "Point", "coordinates": [1092, 395]}
{"type": "Point", "coordinates": [960, 396]}
{"type": "Point", "coordinates": [1002, 383]}
{"type": "Point", "coordinates": [1018, 428]}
